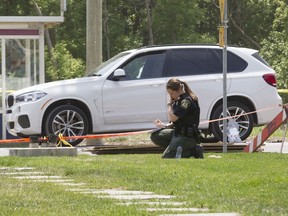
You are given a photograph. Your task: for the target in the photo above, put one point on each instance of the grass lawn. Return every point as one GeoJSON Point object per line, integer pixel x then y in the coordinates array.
{"type": "Point", "coordinates": [249, 184]}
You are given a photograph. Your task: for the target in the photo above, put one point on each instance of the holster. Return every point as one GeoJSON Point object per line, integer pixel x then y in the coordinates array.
{"type": "Point", "coordinates": [192, 132]}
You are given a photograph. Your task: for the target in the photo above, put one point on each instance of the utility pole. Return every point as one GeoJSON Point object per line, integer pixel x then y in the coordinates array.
{"type": "Point", "coordinates": [223, 43]}
{"type": "Point", "coordinates": [93, 34]}
{"type": "Point", "coordinates": [93, 42]}
{"type": "Point", "coordinates": [149, 21]}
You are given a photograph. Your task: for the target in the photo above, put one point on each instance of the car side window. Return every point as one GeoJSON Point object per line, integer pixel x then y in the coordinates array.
{"type": "Point", "coordinates": [234, 62]}
{"type": "Point", "coordinates": [214, 61]}
{"type": "Point", "coordinates": [144, 66]}
{"type": "Point", "coordinates": [187, 62]}
{"type": "Point", "coordinates": [197, 61]}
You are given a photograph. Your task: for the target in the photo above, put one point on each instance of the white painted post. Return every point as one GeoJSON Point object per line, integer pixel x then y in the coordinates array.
{"type": "Point", "coordinates": [41, 56]}
{"type": "Point", "coordinates": [3, 59]}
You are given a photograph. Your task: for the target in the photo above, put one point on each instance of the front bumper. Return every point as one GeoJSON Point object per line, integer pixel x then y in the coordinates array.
{"type": "Point", "coordinates": [23, 119]}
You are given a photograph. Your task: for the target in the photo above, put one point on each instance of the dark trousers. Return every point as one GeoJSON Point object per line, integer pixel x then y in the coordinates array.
{"type": "Point", "coordinates": [166, 138]}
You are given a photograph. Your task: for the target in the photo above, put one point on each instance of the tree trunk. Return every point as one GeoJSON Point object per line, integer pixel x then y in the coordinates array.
{"type": "Point", "coordinates": [46, 32]}
{"type": "Point", "coordinates": [149, 21]}
{"type": "Point", "coordinates": [106, 29]}
{"type": "Point", "coordinates": [243, 34]}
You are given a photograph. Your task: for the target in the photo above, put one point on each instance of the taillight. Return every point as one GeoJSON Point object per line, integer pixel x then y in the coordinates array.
{"type": "Point", "coordinates": [270, 79]}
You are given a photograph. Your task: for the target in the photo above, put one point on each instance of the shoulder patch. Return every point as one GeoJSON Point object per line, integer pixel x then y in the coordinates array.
{"type": "Point", "coordinates": [185, 104]}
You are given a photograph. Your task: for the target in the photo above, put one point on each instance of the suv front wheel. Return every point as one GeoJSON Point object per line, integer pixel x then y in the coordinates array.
{"type": "Point", "coordinates": [238, 112]}
{"type": "Point", "coordinates": [68, 120]}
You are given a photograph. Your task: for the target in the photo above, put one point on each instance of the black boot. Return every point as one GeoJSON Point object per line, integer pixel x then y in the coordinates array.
{"type": "Point", "coordinates": [199, 152]}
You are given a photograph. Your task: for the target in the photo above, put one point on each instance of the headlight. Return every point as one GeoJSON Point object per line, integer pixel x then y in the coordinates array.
{"type": "Point", "coordinates": [30, 96]}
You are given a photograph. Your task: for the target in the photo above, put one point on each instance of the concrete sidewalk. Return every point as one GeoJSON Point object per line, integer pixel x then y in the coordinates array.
{"type": "Point", "coordinates": [37, 152]}
{"type": "Point", "coordinates": [275, 147]}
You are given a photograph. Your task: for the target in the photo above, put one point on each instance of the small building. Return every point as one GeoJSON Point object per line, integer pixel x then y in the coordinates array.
{"type": "Point", "coordinates": [22, 53]}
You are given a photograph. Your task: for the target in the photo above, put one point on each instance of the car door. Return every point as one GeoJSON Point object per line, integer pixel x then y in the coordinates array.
{"type": "Point", "coordinates": [136, 100]}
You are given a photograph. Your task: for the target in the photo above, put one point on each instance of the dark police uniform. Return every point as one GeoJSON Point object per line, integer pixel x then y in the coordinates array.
{"type": "Point", "coordinates": [185, 132]}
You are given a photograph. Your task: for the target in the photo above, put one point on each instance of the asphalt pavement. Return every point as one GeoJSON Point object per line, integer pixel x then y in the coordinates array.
{"type": "Point", "coordinates": [275, 147]}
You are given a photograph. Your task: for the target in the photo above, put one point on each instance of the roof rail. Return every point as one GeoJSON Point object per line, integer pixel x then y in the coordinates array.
{"type": "Point", "coordinates": [184, 44]}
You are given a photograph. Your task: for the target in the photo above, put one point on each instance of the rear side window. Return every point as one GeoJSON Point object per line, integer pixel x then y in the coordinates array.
{"type": "Point", "coordinates": [234, 62]}
{"type": "Point", "coordinates": [197, 61]}
{"type": "Point", "coordinates": [259, 58]}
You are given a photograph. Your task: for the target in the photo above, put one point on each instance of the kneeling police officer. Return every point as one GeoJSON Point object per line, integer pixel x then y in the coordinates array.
{"type": "Point", "coordinates": [184, 114]}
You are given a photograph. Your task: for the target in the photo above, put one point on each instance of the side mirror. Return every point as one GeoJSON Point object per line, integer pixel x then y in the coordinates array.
{"type": "Point", "coordinates": [118, 73]}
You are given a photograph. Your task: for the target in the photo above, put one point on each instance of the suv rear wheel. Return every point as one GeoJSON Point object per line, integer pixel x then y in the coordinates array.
{"type": "Point", "coordinates": [68, 120]}
{"type": "Point", "coordinates": [237, 111]}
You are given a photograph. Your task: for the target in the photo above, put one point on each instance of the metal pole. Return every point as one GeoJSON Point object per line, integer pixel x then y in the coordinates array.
{"type": "Point", "coordinates": [284, 136]}
{"type": "Point", "coordinates": [3, 59]}
{"type": "Point", "coordinates": [28, 60]}
{"type": "Point", "coordinates": [41, 56]}
{"type": "Point", "coordinates": [225, 22]}
{"type": "Point", "coordinates": [34, 62]}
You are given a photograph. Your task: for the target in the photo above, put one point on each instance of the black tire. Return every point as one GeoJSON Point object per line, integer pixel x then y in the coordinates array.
{"type": "Point", "coordinates": [68, 120]}
{"type": "Point", "coordinates": [245, 122]}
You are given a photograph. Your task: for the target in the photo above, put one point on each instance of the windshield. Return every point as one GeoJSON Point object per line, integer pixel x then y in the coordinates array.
{"type": "Point", "coordinates": [106, 66]}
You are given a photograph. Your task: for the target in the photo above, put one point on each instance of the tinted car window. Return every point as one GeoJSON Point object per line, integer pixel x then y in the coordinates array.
{"type": "Point", "coordinates": [144, 66]}
{"type": "Point", "coordinates": [214, 61]}
{"type": "Point", "coordinates": [234, 62]}
{"type": "Point", "coordinates": [184, 62]}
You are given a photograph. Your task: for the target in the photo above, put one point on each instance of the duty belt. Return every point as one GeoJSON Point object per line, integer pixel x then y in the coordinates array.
{"type": "Point", "coordinates": [185, 131]}
{"type": "Point", "coordinates": [191, 132]}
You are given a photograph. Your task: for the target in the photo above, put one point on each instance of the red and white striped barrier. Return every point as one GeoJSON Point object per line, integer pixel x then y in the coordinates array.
{"type": "Point", "coordinates": [280, 119]}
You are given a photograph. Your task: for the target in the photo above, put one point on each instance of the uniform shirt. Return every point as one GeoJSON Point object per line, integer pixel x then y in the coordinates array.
{"type": "Point", "coordinates": [187, 110]}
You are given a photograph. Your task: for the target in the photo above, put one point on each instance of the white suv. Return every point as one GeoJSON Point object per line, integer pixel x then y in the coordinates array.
{"type": "Point", "coordinates": [128, 92]}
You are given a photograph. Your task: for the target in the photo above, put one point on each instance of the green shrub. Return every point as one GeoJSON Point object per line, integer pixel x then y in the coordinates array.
{"type": "Point", "coordinates": [62, 65]}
